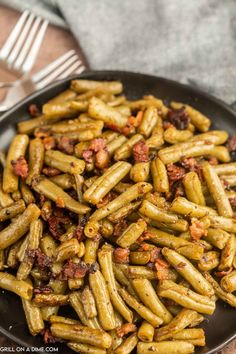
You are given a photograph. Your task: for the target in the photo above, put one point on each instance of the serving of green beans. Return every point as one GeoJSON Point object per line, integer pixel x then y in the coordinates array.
{"type": "Point", "coordinates": [122, 212]}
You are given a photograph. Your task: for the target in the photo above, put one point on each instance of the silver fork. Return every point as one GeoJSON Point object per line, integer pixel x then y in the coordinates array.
{"type": "Point", "coordinates": [67, 64]}
{"type": "Point", "coordinates": [20, 50]}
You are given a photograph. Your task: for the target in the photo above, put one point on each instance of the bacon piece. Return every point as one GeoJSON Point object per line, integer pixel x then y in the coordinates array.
{"type": "Point", "coordinates": [49, 142]}
{"type": "Point", "coordinates": [20, 167]}
{"type": "Point", "coordinates": [51, 171]}
{"type": "Point", "coordinates": [167, 125]}
{"type": "Point", "coordinates": [224, 272]}
{"type": "Point", "coordinates": [175, 173]}
{"type": "Point", "coordinates": [40, 259]}
{"type": "Point", "coordinates": [66, 144]}
{"type": "Point", "coordinates": [233, 202]}
{"type": "Point", "coordinates": [197, 229]}
{"type": "Point", "coordinates": [121, 255]}
{"type": "Point", "coordinates": [73, 270]}
{"type": "Point", "coordinates": [97, 144]}
{"type": "Point", "coordinates": [155, 254]}
{"type": "Point", "coordinates": [33, 110]}
{"type": "Point", "coordinates": [60, 202]}
{"type": "Point", "coordinates": [44, 289]}
{"type": "Point", "coordinates": [56, 222]}
{"type": "Point", "coordinates": [88, 156]}
{"type": "Point", "coordinates": [162, 269]}
{"type": "Point", "coordinates": [126, 328]}
{"type": "Point", "coordinates": [231, 143]}
{"type": "Point", "coordinates": [213, 161]}
{"type": "Point", "coordinates": [120, 227]}
{"type": "Point", "coordinates": [79, 233]}
{"type": "Point", "coordinates": [107, 199]}
{"type": "Point", "coordinates": [145, 236]}
{"type": "Point", "coordinates": [141, 152]}
{"type": "Point", "coordinates": [191, 164]}
{"type": "Point", "coordinates": [42, 133]}
{"type": "Point", "coordinates": [102, 159]}
{"type": "Point", "coordinates": [178, 118]}
{"type": "Point", "coordinates": [49, 338]}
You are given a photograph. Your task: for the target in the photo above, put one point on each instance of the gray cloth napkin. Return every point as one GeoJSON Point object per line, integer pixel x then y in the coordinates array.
{"type": "Point", "coordinates": [192, 41]}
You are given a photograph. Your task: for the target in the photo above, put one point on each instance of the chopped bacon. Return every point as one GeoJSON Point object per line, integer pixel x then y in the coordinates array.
{"type": "Point", "coordinates": [162, 269]}
{"type": "Point", "coordinates": [78, 233]}
{"type": "Point", "coordinates": [125, 329]}
{"type": "Point", "coordinates": [42, 200]}
{"type": "Point", "coordinates": [49, 338]}
{"type": "Point", "coordinates": [145, 236]}
{"type": "Point", "coordinates": [107, 199]}
{"type": "Point", "coordinates": [20, 167]}
{"type": "Point", "coordinates": [119, 227]}
{"type": "Point", "coordinates": [197, 229]}
{"type": "Point", "coordinates": [179, 118]}
{"type": "Point", "coordinates": [102, 159]}
{"type": "Point", "coordinates": [33, 110]}
{"type": "Point", "coordinates": [121, 255]}
{"type": "Point", "coordinates": [191, 164]}
{"type": "Point", "coordinates": [155, 254]}
{"type": "Point", "coordinates": [97, 144]}
{"type": "Point", "coordinates": [44, 289]}
{"type": "Point", "coordinates": [66, 144]}
{"type": "Point", "coordinates": [60, 202]}
{"type": "Point", "coordinates": [88, 156]}
{"type": "Point", "coordinates": [41, 259]}
{"type": "Point", "coordinates": [49, 142]}
{"type": "Point", "coordinates": [42, 133]}
{"type": "Point", "coordinates": [231, 143]}
{"type": "Point", "coordinates": [51, 171]}
{"type": "Point", "coordinates": [213, 161]}
{"type": "Point", "coordinates": [167, 125]}
{"type": "Point", "coordinates": [175, 173]}
{"type": "Point", "coordinates": [57, 221]}
{"type": "Point", "coordinates": [224, 272]}
{"type": "Point", "coordinates": [73, 270]}
{"type": "Point", "coordinates": [141, 152]}
{"type": "Point", "coordinates": [233, 202]}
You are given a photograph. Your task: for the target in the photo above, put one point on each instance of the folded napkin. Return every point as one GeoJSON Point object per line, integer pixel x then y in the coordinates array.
{"type": "Point", "coordinates": [189, 41]}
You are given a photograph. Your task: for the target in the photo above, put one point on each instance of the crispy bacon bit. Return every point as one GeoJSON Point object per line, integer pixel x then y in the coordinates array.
{"type": "Point", "coordinates": [125, 329]}
{"type": "Point", "coordinates": [155, 254]}
{"type": "Point", "coordinates": [144, 247]}
{"type": "Point", "coordinates": [57, 221]}
{"type": "Point", "coordinates": [78, 233]}
{"type": "Point", "coordinates": [225, 183]}
{"type": "Point", "coordinates": [97, 144]}
{"type": "Point", "coordinates": [49, 142]}
{"type": "Point", "coordinates": [233, 202]}
{"type": "Point", "coordinates": [120, 227]}
{"type": "Point", "coordinates": [20, 167]}
{"type": "Point", "coordinates": [121, 255]}
{"type": "Point", "coordinates": [33, 110]}
{"type": "Point", "coordinates": [181, 265]}
{"type": "Point", "coordinates": [167, 125]}
{"type": "Point", "coordinates": [44, 289]}
{"type": "Point", "coordinates": [49, 338]}
{"type": "Point", "coordinates": [197, 229]}
{"type": "Point", "coordinates": [224, 272]}
{"type": "Point", "coordinates": [175, 173]}
{"type": "Point", "coordinates": [88, 156]}
{"type": "Point", "coordinates": [73, 270]}
{"type": "Point", "coordinates": [51, 171]}
{"type": "Point", "coordinates": [42, 133]}
{"type": "Point", "coordinates": [60, 202]}
{"type": "Point", "coordinates": [66, 144]}
{"type": "Point", "coordinates": [191, 164]}
{"type": "Point", "coordinates": [102, 159]}
{"type": "Point", "coordinates": [162, 269]}
{"type": "Point", "coordinates": [107, 199]}
{"type": "Point", "coordinates": [179, 118]}
{"type": "Point", "coordinates": [41, 259]}
{"type": "Point", "coordinates": [145, 236]}
{"type": "Point", "coordinates": [231, 146]}
{"type": "Point", "coordinates": [42, 200]}
{"type": "Point", "coordinates": [141, 152]}
{"type": "Point", "coordinates": [213, 161]}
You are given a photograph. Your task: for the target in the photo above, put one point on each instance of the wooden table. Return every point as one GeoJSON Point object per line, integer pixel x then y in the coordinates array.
{"type": "Point", "coordinates": [61, 41]}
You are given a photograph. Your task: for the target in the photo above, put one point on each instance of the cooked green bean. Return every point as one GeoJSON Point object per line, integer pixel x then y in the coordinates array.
{"type": "Point", "coordinates": [175, 347]}
{"type": "Point", "coordinates": [115, 144]}
{"type": "Point", "coordinates": [228, 282]}
{"type": "Point", "coordinates": [223, 295]}
{"type": "Point", "coordinates": [81, 86]}
{"type": "Point", "coordinates": [125, 150]}
{"type": "Point", "coordinates": [123, 211]}
{"type": "Point", "coordinates": [17, 149]}
{"type": "Point", "coordinates": [183, 206]}
{"type": "Point", "coordinates": [33, 317]}
{"type": "Point", "coordinates": [85, 348]}
{"type": "Point", "coordinates": [128, 345]}
{"type": "Point", "coordinates": [140, 171]}
{"type": "Point", "coordinates": [12, 210]}
{"type": "Point", "coordinates": [36, 158]}
{"type": "Point", "coordinates": [217, 237]}
{"type": "Point", "coordinates": [156, 140]}
{"type": "Point", "coordinates": [194, 336]}
{"type": "Point", "coordinates": [193, 188]}
{"type": "Point", "coordinates": [132, 233]}
{"type": "Point", "coordinates": [19, 287]}
{"type": "Point", "coordinates": [5, 198]}
{"type": "Point", "coordinates": [148, 122]}
{"type": "Point", "coordinates": [50, 299]}
{"type": "Point", "coordinates": [63, 162]}
{"type": "Point", "coordinates": [146, 332]}
{"type": "Point", "coordinates": [91, 247]}
{"type": "Point", "coordinates": [209, 261]}
{"type": "Point", "coordinates": [88, 302]}
{"type": "Point", "coordinates": [159, 176]}
{"type": "Point", "coordinates": [228, 253]}
{"type": "Point", "coordinates": [175, 136]}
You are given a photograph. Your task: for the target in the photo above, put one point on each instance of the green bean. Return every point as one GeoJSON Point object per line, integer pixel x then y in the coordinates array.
{"type": "Point", "coordinates": [209, 261]}
{"type": "Point", "coordinates": [17, 148]}
{"type": "Point", "coordinates": [132, 193]}
{"type": "Point", "coordinates": [140, 272]}
{"type": "Point", "coordinates": [128, 345]}
{"type": "Point", "coordinates": [26, 193]}
{"type": "Point", "coordinates": [50, 299]}
{"type": "Point", "coordinates": [106, 228]}
{"type": "Point", "coordinates": [194, 336]}
{"type": "Point", "coordinates": [142, 310]}
{"type": "Point", "coordinates": [200, 121]}
{"type": "Point", "coordinates": [53, 192]}
{"type": "Point", "coordinates": [217, 137]}
{"type": "Point", "coordinates": [148, 122]}
{"type": "Point", "coordinates": [175, 136]}
{"type": "Point", "coordinates": [88, 302]}
{"type": "Point", "coordinates": [188, 272]}
{"type": "Point", "coordinates": [217, 191]}
{"type": "Point", "coordinates": [181, 321]}
{"type": "Point", "coordinates": [193, 188]}
{"type": "Point", "coordinates": [91, 247]}
{"type": "Point", "coordinates": [17, 229]}
{"type": "Point", "coordinates": [98, 109]}
{"type": "Point", "coordinates": [123, 211]}
{"type": "Point", "coordinates": [80, 86]}
{"type": "Point", "coordinates": [65, 181]}
{"type": "Point", "coordinates": [156, 140]}
{"type": "Point", "coordinates": [5, 199]}
{"type": "Point", "coordinates": [102, 185]}
{"type": "Point", "coordinates": [12, 210]}
{"type": "Point", "coordinates": [228, 282]}
{"type": "Point", "coordinates": [33, 317]}
{"type": "Point", "coordinates": [175, 347]}
{"type": "Point", "coordinates": [225, 169]}
{"type": "Point", "coordinates": [132, 233]}
{"type": "Point", "coordinates": [23, 243]}
{"type": "Point", "coordinates": [48, 245]}
{"type": "Point", "coordinates": [61, 319]}
{"type": "Point", "coordinates": [148, 296]}
{"type": "Point", "coordinates": [19, 287]}
{"type": "Point", "coordinates": [75, 284]}
{"type": "Point", "coordinates": [159, 176]}
{"type": "Point", "coordinates": [105, 261]}
{"type": "Point", "coordinates": [28, 126]}
{"type": "Point", "coordinates": [36, 158]}
{"type": "Point", "coordinates": [230, 180]}
{"type": "Point", "coordinates": [220, 222]}
{"type": "Point", "coordinates": [75, 126]}
{"type": "Point", "coordinates": [217, 237]}
{"type": "Point", "coordinates": [147, 102]}
{"type": "Point", "coordinates": [64, 96]}
{"type": "Point", "coordinates": [63, 162]}
{"type": "Point", "coordinates": [146, 332]}
{"type": "Point", "coordinates": [125, 150]}
{"type": "Point", "coordinates": [114, 145]}
{"type": "Point", "coordinates": [63, 109]}
{"type": "Point", "coordinates": [81, 334]}
{"type": "Point", "coordinates": [140, 171]}
{"type": "Point", "coordinates": [16, 196]}
{"type": "Point", "coordinates": [67, 249]}
{"type": "Point", "coordinates": [184, 207]}
{"type": "Point", "coordinates": [103, 302]}
{"type": "Point", "coordinates": [184, 247]}
{"type": "Point", "coordinates": [228, 253]}
{"type": "Point", "coordinates": [2, 260]}
{"type": "Point", "coordinates": [223, 295]}
{"type": "Point", "coordinates": [139, 258]}
{"type": "Point", "coordinates": [185, 297]}
{"type": "Point", "coordinates": [85, 348]}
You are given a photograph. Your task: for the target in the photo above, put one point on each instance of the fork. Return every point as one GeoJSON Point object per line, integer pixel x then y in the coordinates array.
{"type": "Point", "coordinates": [67, 64]}
{"type": "Point", "coordinates": [20, 50]}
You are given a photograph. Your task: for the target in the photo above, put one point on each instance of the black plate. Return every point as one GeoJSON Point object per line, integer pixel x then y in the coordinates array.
{"type": "Point", "coordinates": [220, 328]}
